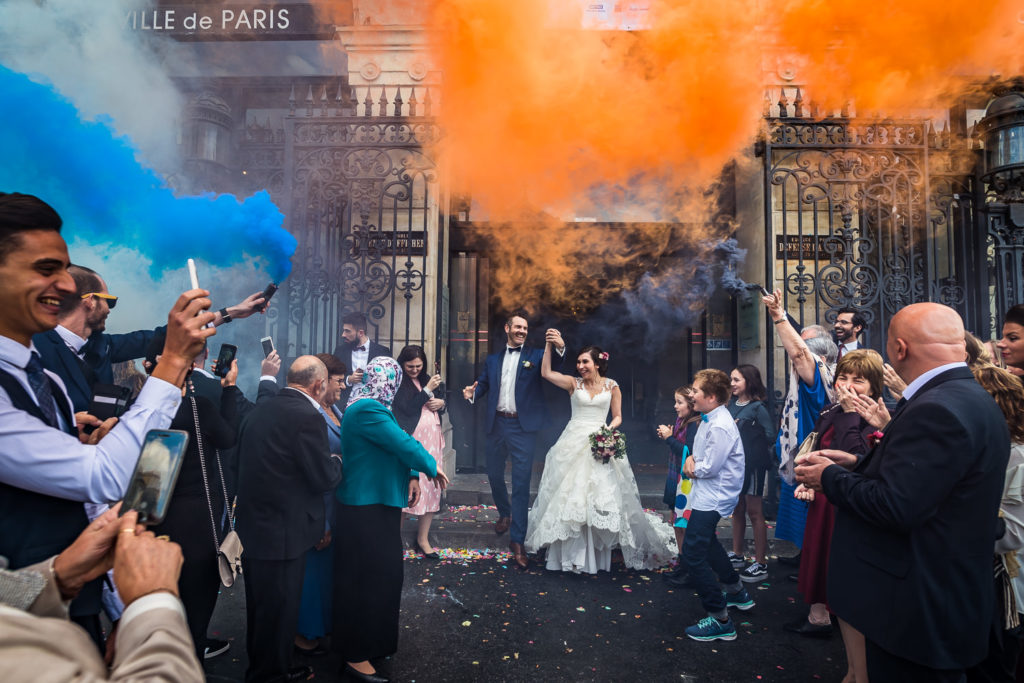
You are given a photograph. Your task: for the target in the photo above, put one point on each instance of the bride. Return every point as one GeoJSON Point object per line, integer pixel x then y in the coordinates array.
{"type": "Point", "coordinates": [585, 508]}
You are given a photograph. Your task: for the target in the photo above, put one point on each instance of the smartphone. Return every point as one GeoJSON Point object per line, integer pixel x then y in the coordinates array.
{"type": "Point", "coordinates": [224, 358]}
{"type": "Point", "coordinates": [764, 291]}
{"type": "Point", "coordinates": [268, 346]}
{"type": "Point", "coordinates": [268, 293]}
{"type": "Point", "coordinates": [156, 472]}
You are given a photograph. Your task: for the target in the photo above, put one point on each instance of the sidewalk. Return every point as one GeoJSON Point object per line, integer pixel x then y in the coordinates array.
{"type": "Point", "coordinates": [467, 516]}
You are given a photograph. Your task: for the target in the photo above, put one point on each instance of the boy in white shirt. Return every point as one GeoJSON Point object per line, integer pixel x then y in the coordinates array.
{"type": "Point", "coordinates": [716, 468]}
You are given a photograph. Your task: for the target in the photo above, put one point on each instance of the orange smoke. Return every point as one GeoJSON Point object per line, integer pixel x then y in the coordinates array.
{"type": "Point", "coordinates": [542, 117]}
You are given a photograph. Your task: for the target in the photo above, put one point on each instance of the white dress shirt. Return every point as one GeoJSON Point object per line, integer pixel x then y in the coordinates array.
{"type": "Point", "coordinates": [509, 371]}
{"type": "Point", "coordinates": [37, 457]}
{"type": "Point", "coordinates": [847, 347]}
{"type": "Point", "coordinates": [73, 341]}
{"type": "Point", "coordinates": [923, 379]}
{"type": "Point", "coordinates": [718, 463]}
{"type": "Point", "coordinates": [360, 358]}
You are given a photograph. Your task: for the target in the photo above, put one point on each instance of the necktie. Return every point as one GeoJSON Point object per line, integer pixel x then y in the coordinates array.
{"type": "Point", "coordinates": [842, 350]}
{"type": "Point", "coordinates": [515, 349]}
{"type": "Point", "coordinates": [360, 348]}
{"type": "Point", "coordinates": [40, 384]}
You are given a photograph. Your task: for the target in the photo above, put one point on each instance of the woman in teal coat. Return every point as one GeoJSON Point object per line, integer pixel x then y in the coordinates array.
{"type": "Point", "coordinates": [381, 476]}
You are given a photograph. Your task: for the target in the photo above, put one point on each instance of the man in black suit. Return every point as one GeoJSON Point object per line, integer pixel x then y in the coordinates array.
{"type": "Point", "coordinates": [847, 327]}
{"type": "Point", "coordinates": [356, 350]}
{"type": "Point", "coordinates": [79, 350]}
{"type": "Point", "coordinates": [285, 469]}
{"type": "Point", "coordinates": [916, 521]}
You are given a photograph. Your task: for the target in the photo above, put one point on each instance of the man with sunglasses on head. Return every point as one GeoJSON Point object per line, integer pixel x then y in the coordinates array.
{"type": "Point", "coordinates": [82, 353]}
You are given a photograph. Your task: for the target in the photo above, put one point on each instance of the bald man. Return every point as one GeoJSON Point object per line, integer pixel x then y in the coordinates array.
{"type": "Point", "coordinates": [285, 467]}
{"type": "Point", "coordinates": [911, 559]}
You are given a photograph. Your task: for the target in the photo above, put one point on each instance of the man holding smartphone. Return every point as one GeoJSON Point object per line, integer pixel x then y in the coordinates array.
{"type": "Point", "coordinates": [356, 350]}
{"type": "Point", "coordinates": [46, 470]}
{"type": "Point", "coordinates": [80, 351]}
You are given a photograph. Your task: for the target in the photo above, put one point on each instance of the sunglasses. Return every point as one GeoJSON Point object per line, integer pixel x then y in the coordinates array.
{"type": "Point", "coordinates": [111, 299]}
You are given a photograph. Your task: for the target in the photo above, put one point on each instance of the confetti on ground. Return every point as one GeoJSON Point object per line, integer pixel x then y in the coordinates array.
{"type": "Point", "coordinates": [463, 555]}
{"type": "Point", "coordinates": [580, 609]}
{"type": "Point", "coordinates": [467, 623]}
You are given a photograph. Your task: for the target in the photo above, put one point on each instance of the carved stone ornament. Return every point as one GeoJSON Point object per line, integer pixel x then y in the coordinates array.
{"type": "Point", "coordinates": [370, 71]}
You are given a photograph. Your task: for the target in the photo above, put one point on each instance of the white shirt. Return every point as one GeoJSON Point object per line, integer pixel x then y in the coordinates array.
{"type": "Point", "coordinates": [916, 385]}
{"type": "Point", "coordinates": [847, 347]}
{"type": "Point", "coordinates": [309, 398]}
{"type": "Point", "coordinates": [73, 341]}
{"type": "Point", "coordinates": [360, 358]}
{"type": "Point", "coordinates": [37, 457]}
{"type": "Point", "coordinates": [718, 463]}
{"type": "Point", "coordinates": [510, 365]}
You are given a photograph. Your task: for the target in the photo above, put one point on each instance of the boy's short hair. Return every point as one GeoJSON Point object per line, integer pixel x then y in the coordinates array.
{"type": "Point", "coordinates": [714, 383]}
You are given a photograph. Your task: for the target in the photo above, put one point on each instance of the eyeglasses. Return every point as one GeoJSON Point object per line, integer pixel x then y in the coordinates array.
{"type": "Point", "coordinates": [111, 299]}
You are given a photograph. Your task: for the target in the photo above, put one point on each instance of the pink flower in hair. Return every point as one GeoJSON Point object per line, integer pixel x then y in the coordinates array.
{"type": "Point", "coordinates": [604, 355]}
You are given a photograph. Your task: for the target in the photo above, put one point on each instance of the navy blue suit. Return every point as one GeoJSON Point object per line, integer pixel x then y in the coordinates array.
{"type": "Point", "coordinates": [513, 436]}
{"type": "Point", "coordinates": [101, 351]}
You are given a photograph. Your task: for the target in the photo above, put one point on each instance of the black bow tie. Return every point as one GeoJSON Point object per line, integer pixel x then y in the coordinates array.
{"type": "Point", "coordinates": [515, 349]}
{"type": "Point", "coordinates": [360, 348]}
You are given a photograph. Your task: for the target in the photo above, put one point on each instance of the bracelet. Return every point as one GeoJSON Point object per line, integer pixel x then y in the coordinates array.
{"type": "Point", "coordinates": [780, 321]}
{"type": "Point", "coordinates": [225, 317]}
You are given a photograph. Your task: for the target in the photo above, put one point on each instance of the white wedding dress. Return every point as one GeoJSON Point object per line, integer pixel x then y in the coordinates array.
{"type": "Point", "coordinates": [585, 509]}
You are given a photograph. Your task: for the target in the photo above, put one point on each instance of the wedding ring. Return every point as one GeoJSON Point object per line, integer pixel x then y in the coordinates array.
{"type": "Point", "coordinates": [127, 531]}
{"type": "Point", "coordinates": [163, 537]}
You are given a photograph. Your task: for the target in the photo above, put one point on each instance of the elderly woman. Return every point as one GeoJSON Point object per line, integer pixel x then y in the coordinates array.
{"type": "Point", "coordinates": [812, 354]}
{"type": "Point", "coordinates": [315, 607]}
{"type": "Point", "coordinates": [382, 466]}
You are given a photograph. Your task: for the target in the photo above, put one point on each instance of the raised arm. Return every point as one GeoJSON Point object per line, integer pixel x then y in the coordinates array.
{"type": "Point", "coordinates": [796, 349]}
{"type": "Point", "coordinates": [558, 379]}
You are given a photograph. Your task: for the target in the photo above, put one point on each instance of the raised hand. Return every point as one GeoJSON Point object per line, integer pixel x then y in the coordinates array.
{"type": "Point", "coordinates": [433, 383]}
{"type": "Point", "coordinates": [271, 365]}
{"type": "Point", "coordinates": [773, 302]}
{"type": "Point", "coordinates": [469, 392]}
{"type": "Point", "coordinates": [893, 382]}
{"type": "Point", "coordinates": [554, 337]}
{"type": "Point", "coordinates": [846, 398]}
{"type": "Point", "coordinates": [664, 431]}
{"type": "Point", "coordinates": [874, 412]}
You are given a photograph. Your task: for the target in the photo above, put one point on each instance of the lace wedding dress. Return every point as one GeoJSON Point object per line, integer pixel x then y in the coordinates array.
{"type": "Point", "coordinates": [585, 509]}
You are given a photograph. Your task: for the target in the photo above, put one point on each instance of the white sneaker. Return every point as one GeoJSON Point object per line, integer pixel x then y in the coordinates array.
{"type": "Point", "coordinates": [754, 573]}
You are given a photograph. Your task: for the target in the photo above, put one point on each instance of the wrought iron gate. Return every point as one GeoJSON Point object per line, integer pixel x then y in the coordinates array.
{"type": "Point", "coordinates": [871, 215]}
{"type": "Point", "coordinates": [360, 196]}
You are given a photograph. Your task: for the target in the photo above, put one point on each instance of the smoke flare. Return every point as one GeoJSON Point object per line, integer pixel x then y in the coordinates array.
{"type": "Point", "coordinates": [92, 177]}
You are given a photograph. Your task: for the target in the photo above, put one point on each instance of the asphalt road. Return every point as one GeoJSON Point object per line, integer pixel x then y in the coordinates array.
{"type": "Point", "coordinates": [484, 620]}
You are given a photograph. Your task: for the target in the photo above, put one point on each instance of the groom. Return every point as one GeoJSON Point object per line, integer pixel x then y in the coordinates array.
{"type": "Point", "coordinates": [515, 413]}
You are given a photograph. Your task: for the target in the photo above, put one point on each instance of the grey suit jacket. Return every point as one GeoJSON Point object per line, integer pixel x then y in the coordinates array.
{"type": "Point", "coordinates": [42, 644]}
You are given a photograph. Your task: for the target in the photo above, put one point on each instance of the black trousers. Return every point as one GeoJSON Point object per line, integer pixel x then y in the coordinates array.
{"type": "Point", "coordinates": [188, 525]}
{"type": "Point", "coordinates": [273, 590]}
{"type": "Point", "coordinates": [368, 576]}
{"type": "Point", "coordinates": [885, 667]}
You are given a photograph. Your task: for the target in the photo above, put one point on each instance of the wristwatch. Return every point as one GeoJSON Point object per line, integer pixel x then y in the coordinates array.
{"type": "Point", "coordinates": [225, 317]}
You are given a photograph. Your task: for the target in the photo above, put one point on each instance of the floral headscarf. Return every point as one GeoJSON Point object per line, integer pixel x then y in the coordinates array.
{"type": "Point", "coordinates": [380, 381]}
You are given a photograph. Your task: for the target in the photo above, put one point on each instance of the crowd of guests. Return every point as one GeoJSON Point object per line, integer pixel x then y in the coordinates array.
{"type": "Point", "coordinates": [881, 468]}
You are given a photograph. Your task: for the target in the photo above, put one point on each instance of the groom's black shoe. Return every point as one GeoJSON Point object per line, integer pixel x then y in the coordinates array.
{"type": "Point", "coordinates": [519, 555]}
{"type": "Point", "coordinates": [502, 525]}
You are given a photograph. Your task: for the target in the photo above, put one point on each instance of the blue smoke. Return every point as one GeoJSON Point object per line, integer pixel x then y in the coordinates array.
{"type": "Point", "coordinates": [105, 196]}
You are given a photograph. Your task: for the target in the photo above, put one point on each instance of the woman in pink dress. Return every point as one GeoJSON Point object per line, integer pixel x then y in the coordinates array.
{"type": "Point", "coordinates": [418, 410]}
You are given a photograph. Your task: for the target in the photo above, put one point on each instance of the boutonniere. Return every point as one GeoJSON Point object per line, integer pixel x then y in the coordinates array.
{"type": "Point", "coordinates": [874, 437]}
{"type": "Point", "coordinates": [527, 364]}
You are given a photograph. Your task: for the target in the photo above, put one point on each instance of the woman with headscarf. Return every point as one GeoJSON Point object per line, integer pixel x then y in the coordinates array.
{"type": "Point", "coordinates": [382, 466]}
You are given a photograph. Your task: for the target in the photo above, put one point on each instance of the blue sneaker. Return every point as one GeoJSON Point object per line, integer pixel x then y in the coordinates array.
{"type": "Point", "coordinates": [741, 600]}
{"type": "Point", "coordinates": [710, 628]}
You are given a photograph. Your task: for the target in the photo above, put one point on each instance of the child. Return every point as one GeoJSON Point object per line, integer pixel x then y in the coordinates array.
{"type": "Point", "coordinates": [716, 468]}
{"type": "Point", "coordinates": [679, 438]}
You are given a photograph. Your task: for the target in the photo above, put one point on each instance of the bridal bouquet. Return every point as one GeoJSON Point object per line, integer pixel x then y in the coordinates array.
{"type": "Point", "coordinates": [607, 443]}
